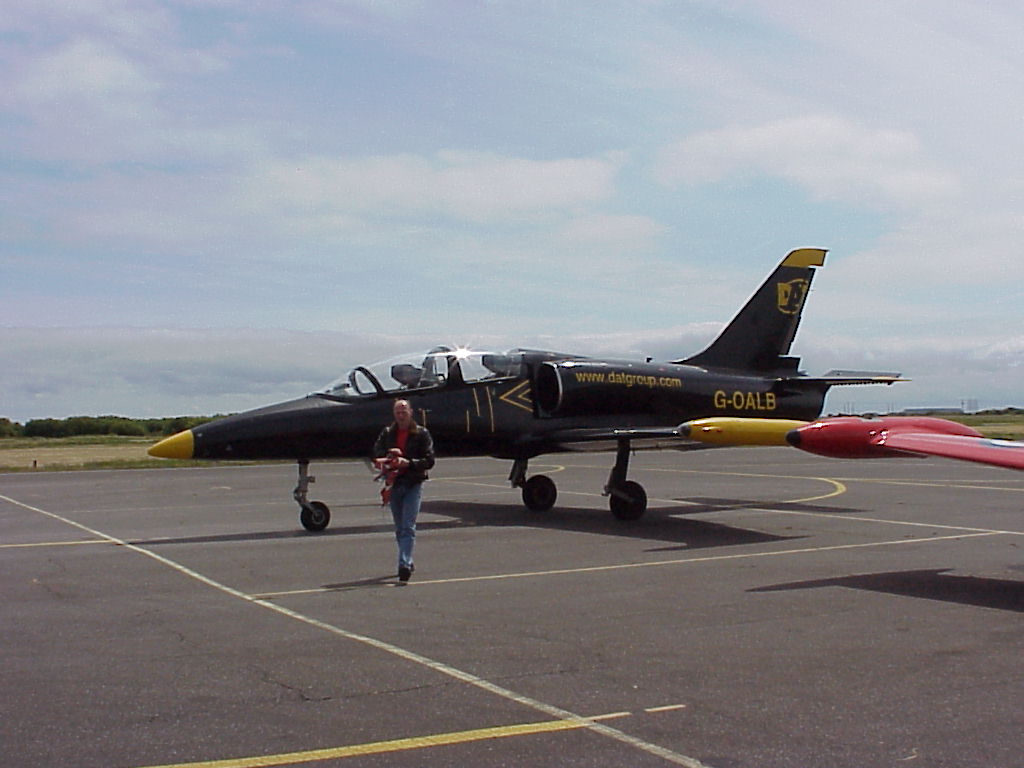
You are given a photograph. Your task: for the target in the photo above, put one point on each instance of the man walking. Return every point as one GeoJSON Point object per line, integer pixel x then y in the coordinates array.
{"type": "Point", "coordinates": [408, 450]}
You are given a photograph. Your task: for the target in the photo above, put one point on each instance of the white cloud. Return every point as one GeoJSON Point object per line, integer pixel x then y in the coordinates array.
{"type": "Point", "coordinates": [231, 163]}
{"type": "Point", "coordinates": [111, 83]}
{"type": "Point", "coordinates": [943, 370]}
{"type": "Point", "coordinates": [83, 71]}
{"type": "Point", "coordinates": [59, 372]}
{"type": "Point", "coordinates": [127, 21]}
{"type": "Point", "coordinates": [616, 233]}
{"type": "Point", "coordinates": [831, 157]}
{"type": "Point", "coordinates": [84, 101]}
{"type": "Point", "coordinates": [465, 185]}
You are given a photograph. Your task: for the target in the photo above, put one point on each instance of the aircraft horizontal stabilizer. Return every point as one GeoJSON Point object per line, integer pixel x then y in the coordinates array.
{"type": "Point", "coordinates": [839, 378]}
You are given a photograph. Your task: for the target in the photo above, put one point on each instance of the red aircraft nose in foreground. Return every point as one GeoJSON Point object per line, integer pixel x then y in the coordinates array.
{"type": "Point", "coordinates": [853, 437]}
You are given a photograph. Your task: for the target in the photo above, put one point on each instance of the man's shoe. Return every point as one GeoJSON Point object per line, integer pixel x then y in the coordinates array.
{"type": "Point", "coordinates": [404, 573]}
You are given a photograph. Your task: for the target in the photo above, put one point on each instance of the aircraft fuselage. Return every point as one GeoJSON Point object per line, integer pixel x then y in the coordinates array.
{"type": "Point", "coordinates": [523, 403]}
{"type": "Point", "coordinates": [507, 417]}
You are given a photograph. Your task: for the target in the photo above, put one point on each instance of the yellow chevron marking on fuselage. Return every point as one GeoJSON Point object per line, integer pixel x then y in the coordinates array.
{"type": "Point", "coordinates": [519, 396]}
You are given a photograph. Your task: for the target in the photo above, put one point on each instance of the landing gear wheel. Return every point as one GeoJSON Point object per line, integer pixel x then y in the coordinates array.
{"type": "Point", "coordinates": [539, 493]}
{"type": "Point", "coordinates": [628, 501]}
{"type": "Point", "coordinates": [315, 516]}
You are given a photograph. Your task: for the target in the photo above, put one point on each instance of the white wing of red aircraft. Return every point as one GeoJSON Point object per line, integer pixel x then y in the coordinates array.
{"type": "Point", "coordinates": [854, 437]}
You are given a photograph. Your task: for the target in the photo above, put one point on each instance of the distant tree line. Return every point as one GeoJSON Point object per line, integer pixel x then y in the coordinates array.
{"type": "Point", "coordinates": [76, 426]}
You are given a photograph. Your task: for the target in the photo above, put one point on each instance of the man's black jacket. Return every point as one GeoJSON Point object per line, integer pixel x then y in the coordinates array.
{"type": "Point", "coordinates": [419, 450]}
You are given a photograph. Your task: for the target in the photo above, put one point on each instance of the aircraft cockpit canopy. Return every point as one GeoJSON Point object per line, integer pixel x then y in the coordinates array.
{"type": "Point", "coordinates": [441, 366]}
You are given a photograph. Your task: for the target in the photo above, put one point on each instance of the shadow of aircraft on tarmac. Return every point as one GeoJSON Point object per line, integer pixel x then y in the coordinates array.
{"type": "Point", "coordinates": [666, 524]}
{"type": "Point", "coordinates": [659, 524]}
{"type": "Point", "coordinates": [933, 584]}
{"type": "Point", "coordinates": [702, 504]}
{"type": "Point", "coordinates": [382, 527]}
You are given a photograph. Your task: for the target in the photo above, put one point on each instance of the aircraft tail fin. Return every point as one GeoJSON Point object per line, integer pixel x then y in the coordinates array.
{"type": "Point", "coordinates": [760, 335]}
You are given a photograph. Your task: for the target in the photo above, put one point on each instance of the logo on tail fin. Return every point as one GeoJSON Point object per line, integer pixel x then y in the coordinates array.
{"type": "Point", "coordinates": [791, 295]}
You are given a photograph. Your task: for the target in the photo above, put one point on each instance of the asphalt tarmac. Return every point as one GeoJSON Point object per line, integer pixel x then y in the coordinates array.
{"type": "Point", "coordinates": [772, 609]}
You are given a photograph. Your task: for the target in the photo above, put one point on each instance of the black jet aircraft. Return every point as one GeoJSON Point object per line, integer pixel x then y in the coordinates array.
{"type": "Point", "coordinates": [523, 403]}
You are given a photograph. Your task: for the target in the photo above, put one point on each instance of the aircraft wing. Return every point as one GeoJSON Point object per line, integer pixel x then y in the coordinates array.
{"type": "Point", "coordinates": [1000, 453]}
{"type": "Point", "coordinates": [587, 434]}
{"type": "Point", "coordinates": [607, 438]}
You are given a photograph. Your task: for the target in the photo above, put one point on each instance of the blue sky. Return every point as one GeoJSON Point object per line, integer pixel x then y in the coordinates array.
{"type": "Point", "coordinates": [208, 206]}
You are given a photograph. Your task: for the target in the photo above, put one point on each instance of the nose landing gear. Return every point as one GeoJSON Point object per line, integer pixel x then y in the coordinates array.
{"type": "Point", "coordinates": [539, 492]}
{"type": "Point", "coordinates": [314, 515]}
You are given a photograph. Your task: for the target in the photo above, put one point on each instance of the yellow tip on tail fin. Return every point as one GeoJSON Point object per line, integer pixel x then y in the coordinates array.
{"type": "Point", "coordinates": [805, 257]}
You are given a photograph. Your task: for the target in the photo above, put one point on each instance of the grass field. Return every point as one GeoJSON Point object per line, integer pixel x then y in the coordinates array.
{"type": "Point", "coordinates": [23, 454]}
{"type": "Point", "coordinates": [26, 454]}
{"type": "Point", "coordinates": [1003, 427]}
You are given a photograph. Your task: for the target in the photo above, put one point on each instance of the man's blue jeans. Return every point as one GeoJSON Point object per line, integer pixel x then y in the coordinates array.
{"type": "Point", "coordinates": [405, 506]}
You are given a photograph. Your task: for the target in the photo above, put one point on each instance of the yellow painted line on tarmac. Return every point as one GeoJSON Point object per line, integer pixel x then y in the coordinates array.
{"type": "Point", "coordinates": [968, 530]}
{"type": "Point", "coordinates": [837, 487]}
{"type": "Point", "coordinates": [666, 708]}
{"type": "Point", "coordinates": [55, 543]}
{"type": "Point", "coordinates": [708, 559]}
{"type": "Point", "coordinates": [415, 742]}
{"type": "Point", "coordinates": [560, 714]}
{"type": "Point", "coordinates": [967, 534]}
{"type": "Point", "coordinates": [382, 747]}
{"type": "Point", "coordinates": [837, 490]}
{"type": "Point", "coordinates": [976, 485]}
{"type": "Point", "coordinates": [988, 485]}
{"type": "Point", "coordinates": [609, 716]}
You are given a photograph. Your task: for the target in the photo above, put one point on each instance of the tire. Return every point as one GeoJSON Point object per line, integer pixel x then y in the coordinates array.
{"type": "Point", "coordinates": [628, 501]}
{"type": "Point", "coordinates": [539, 493]}
{"type": "Point", "coordinates": [315, 516]}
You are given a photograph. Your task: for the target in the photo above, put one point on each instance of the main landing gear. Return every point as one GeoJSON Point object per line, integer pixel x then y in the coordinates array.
{"type": "Point", "coordinates": [626, 499]}
{"type": "Point", "coordinates": [314, 515]}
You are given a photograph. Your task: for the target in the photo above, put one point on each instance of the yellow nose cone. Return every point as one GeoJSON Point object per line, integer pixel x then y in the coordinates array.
{"type": "Point", "coordinates": [177, 446]}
